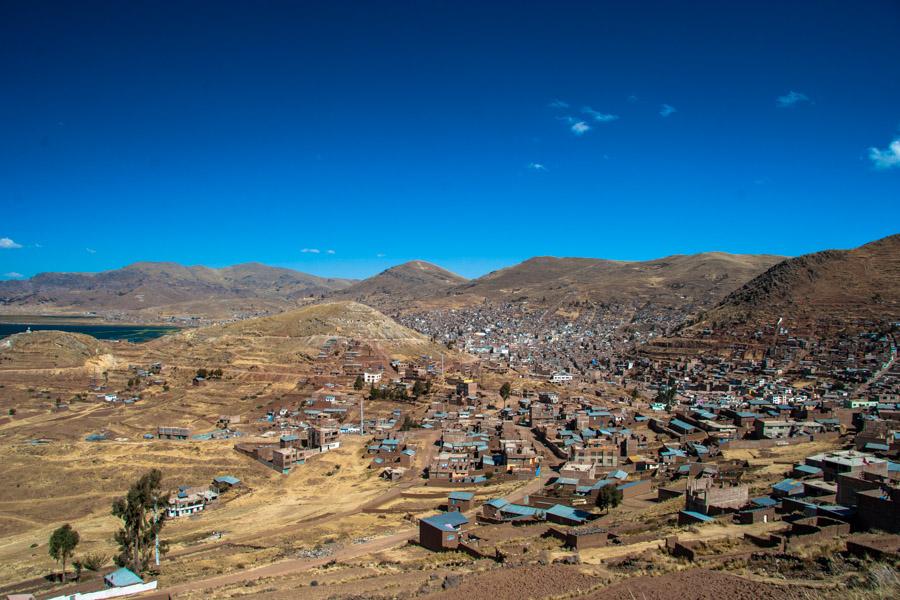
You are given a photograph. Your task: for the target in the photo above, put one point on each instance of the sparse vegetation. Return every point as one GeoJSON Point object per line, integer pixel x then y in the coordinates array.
{"type": "Point", "coordinates": [609, 497]}
{"type": "Point", "coordinates": [143, 516]}
{"type": "Point", "coordinates": [62, 545]}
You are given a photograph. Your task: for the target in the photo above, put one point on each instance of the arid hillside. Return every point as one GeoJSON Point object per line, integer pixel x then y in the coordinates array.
{"type": "Point", "coordinates": [49, 350]}
{"type": "Point", "coordinates": [671, 281]}
{"type": "Point", "coordinates": [148, 285]}
{"type": "Point", "coordinates": [402, 285]}
{"type": "Point", "coordinates": [301, 333]}
{"type": "Point", "coordinates": [829, 288]}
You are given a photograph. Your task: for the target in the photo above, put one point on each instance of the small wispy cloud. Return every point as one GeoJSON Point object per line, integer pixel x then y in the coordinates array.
{"type": "Point", "coordinates": [310, 251]}
{"type": "Point", "coordinates": [381, 255]}
{"type": "Point", "coordinates": [667, 110]}
{"type": "Point", "coordinates": [90, 251]}
{"type": "Point", "coordinates": [329, 252]}
{"type": "Point", "coordinates": [13, 275]}
{"type": "Point", "coordinates": [632, 98]}
{"type": "Point", "coordinates": [580, 128]}
{"type": "Point", "coordinates": [536, 166]}
{"type": "Point", "coordinates": [598, 116]}
{"type": "Point", "coordinates": [792, 98]}
{"type": "Point", "coordinates": [556, 103]}
{"type": "Point", "coordinates": [8, 244]}
{"type": "Point", "coordinates": [886, 159]}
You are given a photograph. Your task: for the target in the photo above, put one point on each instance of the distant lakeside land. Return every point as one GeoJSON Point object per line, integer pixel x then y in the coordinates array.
{"type": "Point", "coordinates": [88, 325]}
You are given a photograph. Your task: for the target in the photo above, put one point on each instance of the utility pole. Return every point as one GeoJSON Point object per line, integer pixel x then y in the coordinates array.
{"type": "Point", "coordinates": [362, 420]}
{"type": "Point", "coordinates": [156, 541]}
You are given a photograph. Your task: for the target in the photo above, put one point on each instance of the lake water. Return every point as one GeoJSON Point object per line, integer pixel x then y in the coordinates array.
{"type": "Point", "coordinates": [131, 333]}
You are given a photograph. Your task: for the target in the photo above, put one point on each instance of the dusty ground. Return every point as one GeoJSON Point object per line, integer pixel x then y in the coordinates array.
{"type": "Point", "coordinates": [331, 529]}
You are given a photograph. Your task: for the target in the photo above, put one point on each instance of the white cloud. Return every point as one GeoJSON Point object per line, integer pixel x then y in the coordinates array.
{"type": "Point", "coordinates": [580, 128]}
{"type": "Point", "coordinates": [381, 255]}
{"type": "Point", "coordinates": [13, 275]}
{"type": "Point", "coordinates": [536, 166]}
{"type": "Point", "coordinates": [558, 104]}
{"type": "Point", "coordinates": [8, 244]}
{"type": "Point", "coordinates": [790, 99]}
{"type": "Point", "coordinates": [666, 110]}
{"type": "Point", "coordinates": [329, 252]}
{"type": "Point", "coordinates": [310, 251]}
{"type": "Point", "coordinates": [886, 159]}
{"type": "Point", "coordinates": [90, 251]}
{"type": "Point", "coordinates": [599, 116]}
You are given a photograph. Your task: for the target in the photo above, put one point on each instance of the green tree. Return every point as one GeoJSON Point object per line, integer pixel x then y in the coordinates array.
{"type": "Point", "coordinates": [358, 384]}
{"type": "Point", "coordinates": [418, 388]}
{"type": "Point", "coordinates": [666, 394]}
{"type": "Point", "coordinates": [505, 392]}
{"type": "Point", "coordinates": [62, 545]}
{"type": "Point", "coordinates": [609, 497]}
{"type": "Point", "coordinates": [143, 516]}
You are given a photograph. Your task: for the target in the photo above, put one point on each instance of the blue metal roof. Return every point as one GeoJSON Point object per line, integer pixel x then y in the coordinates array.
{"type": "Point", "coordinates": [808, 469]}
{"type": "Point", "coordinates": [122, 577]}
{"type": "Point", "coordinates": [449, 521]}
{"type": "Point", "coordinates": [787, 485]}
{"type": "Point", "coordinates": [497, 502]}
{"type": "Point", "coordinates": [603, 483]}
{"type": "Point", "coordinates": [627, 484]}
{"type": "Point", "coordinates": [519, 510]}
{"type": "Point", "coordinates": [681, 425]}
{"type": "Point", "coordinates": [567, 512]}
{"type": "Point", "coordinates": [764, 501]}
{"type": "Point", "coordinates": [461, 495]}
{"type": "Point", "coordinates": [566, 481]}
{"type": "Point", "coordinates": [876, 446]}
{"type": "Point", "coordinates": [227, 479]}
{"type": "Point", "coordinates": [698, 516]}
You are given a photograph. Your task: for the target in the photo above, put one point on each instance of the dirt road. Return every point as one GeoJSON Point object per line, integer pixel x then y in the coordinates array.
{"type": "Point", "coordinates": [302, 564]}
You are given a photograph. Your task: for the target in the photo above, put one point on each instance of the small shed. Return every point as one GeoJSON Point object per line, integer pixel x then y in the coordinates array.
{"type": "Point", "coordinates": [460, 501]}
{"type": "Point", "coordinates": [225, 482]}
{"type": "Point", "coordinates": [442, 531]}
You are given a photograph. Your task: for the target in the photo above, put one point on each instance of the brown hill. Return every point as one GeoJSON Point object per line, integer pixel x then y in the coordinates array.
{"type": "Point", "coordinates": [146, 285]}
{"type": "Point", "coordinates": [403, 285]}
{"type": "Point", "coordinates": [48, 350]}
{"type": "Point", "coordinates": [300, 334]}
{"type": "Point", "coordinates": [674, 281]}
{"type": "Point", "coordinates": [833, 287]}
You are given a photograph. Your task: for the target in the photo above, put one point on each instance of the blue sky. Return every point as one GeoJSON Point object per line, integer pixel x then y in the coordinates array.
{"type": "Point", "coordinates": [470, 134]}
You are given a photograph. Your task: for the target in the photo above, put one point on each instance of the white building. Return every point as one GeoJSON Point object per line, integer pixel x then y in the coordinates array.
{"type": "Point", "coordinates": [371, 377]}
{"type": "Point", "coordinates": [561, 377]}
{"type": "Point", "coordinates": [189, 501]}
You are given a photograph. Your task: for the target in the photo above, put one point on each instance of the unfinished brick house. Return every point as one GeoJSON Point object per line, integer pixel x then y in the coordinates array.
{"type": "Point", "coordinates": [706, 497]}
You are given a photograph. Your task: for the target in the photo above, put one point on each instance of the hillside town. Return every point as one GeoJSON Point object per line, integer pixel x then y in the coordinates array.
{"type": "Point", "coordinates": [449, 300]}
